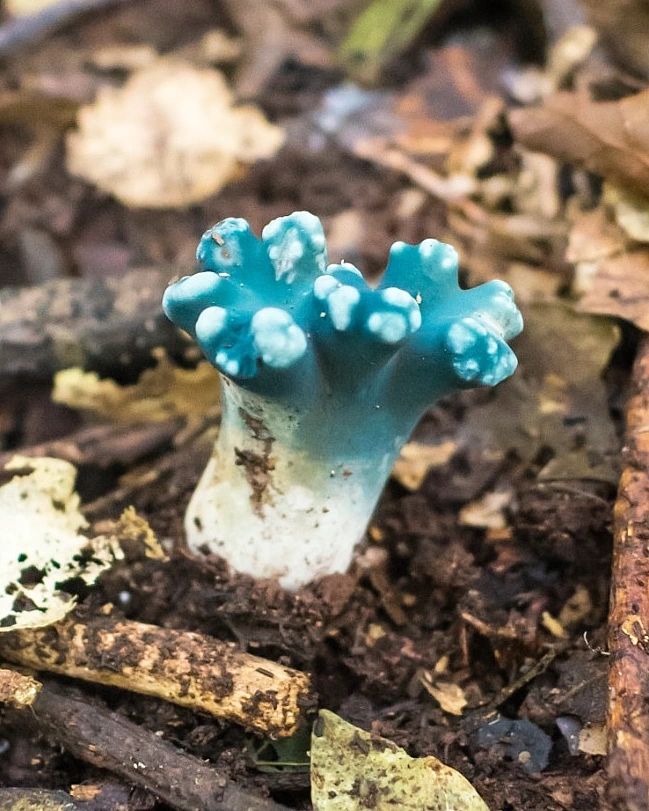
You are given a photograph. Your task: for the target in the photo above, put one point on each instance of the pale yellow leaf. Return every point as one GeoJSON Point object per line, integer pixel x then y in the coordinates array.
{"type": "Point", "coordinates": [416, 459]}
{"type": "Point", "coordinates": [487, 512]}
{"type": "Point", "coordinates": [44, 546]}
{"type": "Point", "coordinates": [450, 697]}
{"type": "Point", "coordinates": [352, 770]}
{"type": "Point", "coordinates": [593, 740]}
{"type": "Point", "coordinates": [169, 137]}
{"type": "Point", "coordinates": [163, 392]}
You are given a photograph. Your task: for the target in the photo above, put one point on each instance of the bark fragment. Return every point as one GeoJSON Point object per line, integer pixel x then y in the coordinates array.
{"type": "Point", "coordinates": [184, 668]}
{"type": "Point", "coordinates": [109, 741]}
{"type": "Point", "coordinates": [628, 709]}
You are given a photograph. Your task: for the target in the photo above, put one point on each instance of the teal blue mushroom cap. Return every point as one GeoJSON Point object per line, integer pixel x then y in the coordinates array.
{"type": "Point", "coordinates": [264, 308]}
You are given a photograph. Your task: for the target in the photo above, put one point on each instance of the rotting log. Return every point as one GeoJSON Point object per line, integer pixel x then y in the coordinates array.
{"type": "Point", "coordinates": [108, 740]}
{"type": "Point", "coordinates": [628, 635]}
{"type": "Point", "coordinates": [185, 668]}
{"type": "Point", "coordinates": [106, 325]}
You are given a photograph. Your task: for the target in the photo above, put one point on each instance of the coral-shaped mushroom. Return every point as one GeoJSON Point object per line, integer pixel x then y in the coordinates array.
{"type": "Point", "coordinates": [323, 379]}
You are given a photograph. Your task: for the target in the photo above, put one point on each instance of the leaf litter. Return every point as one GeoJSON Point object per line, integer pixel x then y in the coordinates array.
{"type": "Point", "coordinates": [49, 550]}
{"type": "Point", "coordinates": [169, 137]}
{"type": "Point", "coordinates": [352, 770]}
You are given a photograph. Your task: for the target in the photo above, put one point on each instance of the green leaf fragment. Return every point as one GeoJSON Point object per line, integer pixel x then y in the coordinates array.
{"type": "Point", "coordinates": [353, 770]}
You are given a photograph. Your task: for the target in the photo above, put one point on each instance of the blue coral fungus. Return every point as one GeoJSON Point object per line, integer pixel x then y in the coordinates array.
{"type": "Point", "coordinates": [323, 379]}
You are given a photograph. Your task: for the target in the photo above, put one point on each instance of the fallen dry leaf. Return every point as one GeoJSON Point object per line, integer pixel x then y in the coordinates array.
{"type": "Point", "coordinates": [593, 740]}
{"type": "Point", "coordinates": [631, 212]}
{"type": "Point", "coordinates": [162, 393]}
{"type": "Point", "coordinates": [611, 270]}
{"type": "Point", "coordinates": [576, 608]}
{"type": "Point", "coordinates": [487, 512]}
{"type": "Point", "coordinates": [609, 138]}
{"type": "Point", "coordinates": [416, 459]}
{"type": "Point", "coordinates": [352, 770]}
{"type": "Point", "coordinates": [450, 697]}
{"type": "Point", "coordinates": [44, 546]}
{"type": "Point", "coordinates": [618, 286]}
{"type": "Point", "coordinates": [557, 401]}
{"type": "Point", "coordinates": [135, 536]}
{"type": "Point", "coordinates": [169, 137]}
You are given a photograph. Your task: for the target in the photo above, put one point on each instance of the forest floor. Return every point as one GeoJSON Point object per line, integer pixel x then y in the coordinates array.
{"type": "Point", "coordinates": [479, 599]}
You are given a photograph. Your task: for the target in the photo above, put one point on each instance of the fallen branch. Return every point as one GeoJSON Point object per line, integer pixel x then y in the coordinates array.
{"type": "Point", "coordinates": [104, 445]}
{"type": "Point", "coordinates": [105, 325]}
{"type": "Point", "coordinates": [628, 639]}
{"type": "Point", "coordinates": [109, 741]}
{"type": "Point", "coordinates": [185, 668]}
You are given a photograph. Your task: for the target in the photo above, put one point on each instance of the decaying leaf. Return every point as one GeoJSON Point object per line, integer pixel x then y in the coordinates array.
{"type": "Point", "coordinates": [450, 696]}
{"type": "Point", "coordinates": [352, 770]}
{"type": "Point", "coordinates": [557, 402]}
{"type": "Point", "coordinates": [593, 740]}
{"type": "Point", "coordinates": [612, 271]}
{"type": "Point", "coordinates": [416, 459]}
{"type": "Point", "coordinates": [161, 393]}
{"type": "Point", "coordinates": [608, 138]}
{"type": "Point", "coordinates": [631, 212]}
{"type": "Point", "coordinates": [169, 137]}
{"type": "Point", "coordinates": [487, 512]}
{"type": "Point", "coordinates": [44, 547]}
{"type": "Point", "coordinates": [618, 286]}
{"type": "Point", "coordinates": [135, 536]}
{"type": "Point", "coordinates": [17, 689]}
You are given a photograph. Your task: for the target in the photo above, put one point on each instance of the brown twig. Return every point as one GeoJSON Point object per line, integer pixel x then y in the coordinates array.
{"type": "Point", "coordinates": [628, 640]}
{"type": "Point", "coordinates": [184, 668]}
{"type": "Point", "coordinates": [109, 741]}
{"type": "Point", "coordinates": [104, 445]}
{"type": "Point", "coordinates": [32, 28]}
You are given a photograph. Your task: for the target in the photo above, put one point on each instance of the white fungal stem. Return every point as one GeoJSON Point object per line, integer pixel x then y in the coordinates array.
{"type": "Point", "coordinates": [270, 508]}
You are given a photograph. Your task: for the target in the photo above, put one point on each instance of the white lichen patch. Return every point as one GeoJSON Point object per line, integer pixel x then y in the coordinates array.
{"type": "Point", "coordinates": [287, 245]}
{"type": "Point", "coordinates": [461, 337]}
{"type": "Point", "coordinates": [285, 254]}
{"type": "Point", "coordinates": [341, 303]}
{"type": "Point", "coordinates": [211, 323]}
{"type": "Point", "coordinates": [395, 297]}
{"type": "Point", "coordinates": [44, 547]}
{"type": "Point", "coordinates": [277, 338]}
{"type": "Point", "coordinates": [389, 327]}
{"type": "Point", "coordinates": [323, 286]}
{"type": "Point", "coordinates": [427, 248]}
